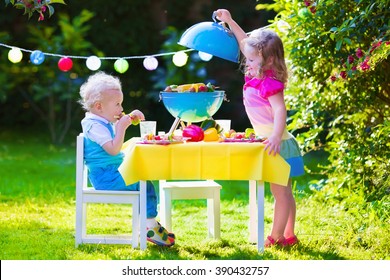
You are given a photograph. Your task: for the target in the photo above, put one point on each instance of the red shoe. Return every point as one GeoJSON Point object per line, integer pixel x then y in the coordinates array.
{"type": "Point", "coordinates": [291, 241]}
{"type": "Point", "coordinates": [271, 242]}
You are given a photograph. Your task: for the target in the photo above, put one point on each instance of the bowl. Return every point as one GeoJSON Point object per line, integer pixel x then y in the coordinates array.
{"type": "Point", "coordinates": [192, 106]}
{"type": "Point", "coordinates": [212, 38]}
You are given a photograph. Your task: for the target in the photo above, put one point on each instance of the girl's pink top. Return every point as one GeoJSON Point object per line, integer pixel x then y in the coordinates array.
{"type": "Point", "coordinates": [258, 108]}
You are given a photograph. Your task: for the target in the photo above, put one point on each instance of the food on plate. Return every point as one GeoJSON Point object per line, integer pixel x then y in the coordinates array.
{"type": "Point", "coordinates": [247, 136]}
{"type": "Point", "coordinates": [193, 87]}
{"type": "Point", "coordinates": [206, 124]}
{"type": "Point", "coordinates": [211, 134]}
{"type": "Point", "coordinates": [237, 135]}
{"type": "Point", "coordinates": [193, 132]}
{"type": "Point", "coordinates": [227, 134]}
{"type": "Point", "coordinates": [250, 133]}
{"type": "Point", "coordinates": [161, 139]}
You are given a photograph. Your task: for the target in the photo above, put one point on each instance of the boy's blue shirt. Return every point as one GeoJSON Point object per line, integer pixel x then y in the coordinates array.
{"type": "Point", "coordinates": [94, 154]}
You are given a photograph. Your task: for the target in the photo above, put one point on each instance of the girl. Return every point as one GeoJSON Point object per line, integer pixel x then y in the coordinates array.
{"type": "Point", "coordinates": [265, 79]}
{"type": "Point", "coordinates": [104, 128]}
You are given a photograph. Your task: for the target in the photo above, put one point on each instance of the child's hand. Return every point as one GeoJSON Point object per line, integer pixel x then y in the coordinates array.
{"type": "Point", "coordinates": [137, 116]}
{"type": "Point", "coordinates": [272, 144]}
{"type": "Point", "coordinates": [123, 123]}
{"type": "Point", "coordinates": [223, 15]}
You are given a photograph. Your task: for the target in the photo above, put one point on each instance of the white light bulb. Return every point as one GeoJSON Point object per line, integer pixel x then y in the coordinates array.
{"type": "Point", "coordinates": [150, 63]}
{"type": "Point", "coordinates": [93, 63]}
{"type": "Point", "coordinates": [205, 56]}
{"type": "Point", "coordinates": [180, 59]}
{"type": "Point", "coordinates": [15, 55]}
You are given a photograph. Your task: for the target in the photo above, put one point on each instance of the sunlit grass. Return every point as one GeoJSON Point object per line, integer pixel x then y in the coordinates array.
{"type": "Point", "coordinates": [37, 217]}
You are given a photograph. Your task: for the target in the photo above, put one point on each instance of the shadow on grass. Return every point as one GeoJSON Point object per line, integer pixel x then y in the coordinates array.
{"type": "Point", "coordinates": [40, 240]}
{"type": "Point", "coordinates": [219, 250]}
{"type": "Point", "coordinates": [213, 250]}
{"type": "Point", "coordinates": [306, 252]}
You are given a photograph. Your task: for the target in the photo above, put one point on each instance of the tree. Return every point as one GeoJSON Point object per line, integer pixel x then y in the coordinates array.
{"type": "Point", "coordinates": [339, 88]}
{"type": "Point", "coordinates": [50, 93]}
{"type": "Point", "coordinates": [35, 6]}
{"type": "Point", "coordinates": [137, 27]}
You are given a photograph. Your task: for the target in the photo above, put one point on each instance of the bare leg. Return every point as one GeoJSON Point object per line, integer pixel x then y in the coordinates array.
{"type": "Point", "coordinates": [290, 226]}
{"type": "Point", "coordinates": [284, 212]}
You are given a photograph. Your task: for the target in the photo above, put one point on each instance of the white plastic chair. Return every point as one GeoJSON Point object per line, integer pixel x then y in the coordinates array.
{"type": "Point", "coordinates": [209, 189]}
{"type": "Point", "coordinates": [86, 195]}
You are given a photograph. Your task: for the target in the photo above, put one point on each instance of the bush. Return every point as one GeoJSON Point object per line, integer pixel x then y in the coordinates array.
{"type": "Point", "coordinates": [340, 87]}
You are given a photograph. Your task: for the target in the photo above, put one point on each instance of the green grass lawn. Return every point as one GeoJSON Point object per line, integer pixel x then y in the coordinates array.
{"type": "Point", "coordinates": [37, 217]}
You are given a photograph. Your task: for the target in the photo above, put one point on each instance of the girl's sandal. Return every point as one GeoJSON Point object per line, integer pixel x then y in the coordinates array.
{"type": "Point", "coordinates": [291, 241]}
{"type": "Point", "coordinates": [272, 242]}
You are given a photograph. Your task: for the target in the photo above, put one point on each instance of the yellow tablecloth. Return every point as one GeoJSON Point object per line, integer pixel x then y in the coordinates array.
{"type": "Point", "coordinates": [202, 160]}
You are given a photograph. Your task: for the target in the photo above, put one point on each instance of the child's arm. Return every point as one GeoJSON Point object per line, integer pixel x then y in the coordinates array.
{"type": "Point", "coordinates": [114, 146]}
{"type": "Point", "coordinates": [225, 16]}
{"type": "Point", "coordinates": [280, 113]}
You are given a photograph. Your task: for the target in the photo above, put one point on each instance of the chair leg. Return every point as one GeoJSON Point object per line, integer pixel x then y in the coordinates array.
{"type": "Point", "coordinates": [252, 212]}
{"type": "Point", "coordinates": [217, 214]}
{"type": "Point", "coordinates": [135, 233]}
{"type": "Point", "coordinates": [79, 224]}
{"type": "Point", "coordinates": [213, 215]}
{"type": "Point", "coordinates": [161, 209]}
{"type": "Point", "coordinates": [135, 224]}
{"type": "Point", "coordinates": [166, 208]}
{"type": "Point", "coordinates": [142, 211]}
{"type": "Point", "coordinates": [84, 223]}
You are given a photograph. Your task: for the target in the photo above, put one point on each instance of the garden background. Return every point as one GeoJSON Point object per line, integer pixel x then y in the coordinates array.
{"type": "Point", "coordinates": [338, 99]}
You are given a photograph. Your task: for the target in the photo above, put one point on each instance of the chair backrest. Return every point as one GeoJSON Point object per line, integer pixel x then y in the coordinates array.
{"type": "Point", "coordinates": [81, 170]}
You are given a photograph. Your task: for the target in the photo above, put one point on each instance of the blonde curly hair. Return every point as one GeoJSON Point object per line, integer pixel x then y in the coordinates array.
{"type": "Point", "coordinates": [92, 90]}
{"type": "Point", "coordinates": [268, 44]}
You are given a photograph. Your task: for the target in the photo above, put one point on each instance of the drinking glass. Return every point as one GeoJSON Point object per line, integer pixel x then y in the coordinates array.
{"type": "Point", "coordinates": [147, 127]}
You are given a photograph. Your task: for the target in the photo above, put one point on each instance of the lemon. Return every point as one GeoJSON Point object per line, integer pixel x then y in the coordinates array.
{"type": "Point", "coordinates": [211, 134]}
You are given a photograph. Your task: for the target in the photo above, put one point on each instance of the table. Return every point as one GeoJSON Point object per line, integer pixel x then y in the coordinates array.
{"type": "Point", "coordinates": [207, 161]}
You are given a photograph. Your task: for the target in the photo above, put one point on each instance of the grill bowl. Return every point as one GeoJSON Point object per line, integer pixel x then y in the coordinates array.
{"type": "Point", "coordinates": [192, 106]}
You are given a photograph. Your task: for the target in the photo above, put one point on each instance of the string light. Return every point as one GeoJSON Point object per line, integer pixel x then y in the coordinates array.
{"type": "Point", "coordinates": [37, 57]}
{"type": "Point", "coordinates": [121, 65]}
{"type": "Point", "coordinates": [150, 63]}
{"type": "Point", "coordinates": [93, 62]}
{"type": "Point", "coordinates": [15, 55]}
{"type": "Point", "coordinates": [180, 59]}
{"type": "Point", "coordinates": [65, 64]}
{"type": "Point", "coordinates": [205, 56]}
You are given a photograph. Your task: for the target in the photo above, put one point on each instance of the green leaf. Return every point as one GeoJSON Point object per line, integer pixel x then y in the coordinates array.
{"type": "Point", "coordinates": [57, 2]}
{"type": "Point", "coordinates": [51, 10]}
{"type": "Point", "coordinates": [338, 44]}
{"type": "Point", "coordinates": [19, 6]}
{"type": "Point", "coordinates": [347, 41]}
